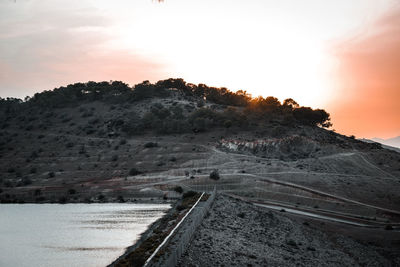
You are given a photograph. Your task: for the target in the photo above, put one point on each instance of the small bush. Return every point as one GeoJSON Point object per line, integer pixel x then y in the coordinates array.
{"type": "Point", "coordinates": [33, 170]}
{"type": "Point", "coordinates": [71, 191]}
{"type": "Point", "coordinates": [52, 174]}
{"type": "Point", "coordinates": [189, 194]}
{"type": "Point", "coordinates": [37, 192]}
{"type": "Point", "coordinates": [214, 175]}
{"type": "Point", "coordinates": [180, 207]}
{"type": "Point", "coordinates": [178, 189]}
{"type": "Point", "coordinates": [40, 199]}
{"type": "Point", "coordinates": [69, 145]}
{"type": "Point", "coordinates": [150, 145]}
{"type": "Point", "coordinates": [134, 172]}
{"type": "Point", "coordinates": [101, 198]}
{"type": "Point", "coordinates": [114, 158]}
{"type": "Point", "coordinates": [62, 200]}
{"type": "Point", "coordinates": [121, 199]}
{"type": "Point", "coordinates": [241, 215]}
{"type": "Point", "coordinates": [26, 181]}
{"type": "Point", "coordinates": [292, 243]}
{"type": "Point", "coordinates": [388, 227]}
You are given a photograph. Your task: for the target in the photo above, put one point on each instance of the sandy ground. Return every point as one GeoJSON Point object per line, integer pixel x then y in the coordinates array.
{"type": "Point", "coordinates": [237, 233]}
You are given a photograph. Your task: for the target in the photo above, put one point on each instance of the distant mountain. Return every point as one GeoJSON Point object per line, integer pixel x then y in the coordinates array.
{"type": "Point", "coordinates": [395, 141]}
{"type": "Point", "coordinates": [375, 140]}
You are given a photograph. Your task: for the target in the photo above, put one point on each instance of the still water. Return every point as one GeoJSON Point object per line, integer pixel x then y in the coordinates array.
{"type": "Point", "coordinates": [71, 234]}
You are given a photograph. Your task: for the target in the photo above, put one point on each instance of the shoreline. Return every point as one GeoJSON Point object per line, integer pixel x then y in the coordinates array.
{"type": "Point", "coordinates": [144, 236]}
{"type": "Point", "coordinates": [128, 201]}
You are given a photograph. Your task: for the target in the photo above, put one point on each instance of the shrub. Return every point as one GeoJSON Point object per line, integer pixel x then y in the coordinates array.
{"type": "Point", "coordinates": [150, 145]}
{"type": "Point", "coordinates": [40, 199]}
{"type": "Point", "coordinates": [52, 174]}
{"type": "Point", "coordinates": [82, 149]}
{"type": "Point", "coordinates": [37, 192]}
{"type": "Point", "coordinates": [214, 175]}
{"type": "Point", "coordinates": [121, 199]}
{"type": "Point", "coordinates": [114, 158]}
{"type": "Point", "coordinates": [178, 189]}
{"type": "Point", "coordinates": [71, 191]}
{"type": "Point", "coordinates": [189, 194]}
{"type": "Point", "coordinates": [134, 171]}
{"type": "Point", "coordinates": [33, 170]}
{"type": "Point", "coordinates": [241, 215]}
{"type": "Point", "coordinates": [69, 145]}
{"type": "Point", "coordinates": [62, 200]}
{"type": "Point", "coordinates": [227, 124]}
{"type": "Point", "coordinates": [388, 227]}
{"type": "Point", "coordinates": [292, 243]}
{"type": "Point", "coordinates": [180, 207]}
{"type": "Point", "coordinates": [26, 181]}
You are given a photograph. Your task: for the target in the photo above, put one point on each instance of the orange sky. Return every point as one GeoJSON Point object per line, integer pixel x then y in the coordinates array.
{"type": "Point", "coordinates": [339, 55]}
{"type": "Point", "coordinates": [368, 99]}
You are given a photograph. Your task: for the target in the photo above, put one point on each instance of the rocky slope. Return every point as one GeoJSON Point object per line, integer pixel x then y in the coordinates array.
{"type": "Point", "coordinates": [239, 234]}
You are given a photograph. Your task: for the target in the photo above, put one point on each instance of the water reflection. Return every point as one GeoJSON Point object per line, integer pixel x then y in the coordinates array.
{"type": "Point", "coordinates": [72, 234]}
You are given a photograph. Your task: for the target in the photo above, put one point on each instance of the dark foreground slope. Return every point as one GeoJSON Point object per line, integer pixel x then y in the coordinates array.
{"type": "Point", "coordinates": [239, 234]}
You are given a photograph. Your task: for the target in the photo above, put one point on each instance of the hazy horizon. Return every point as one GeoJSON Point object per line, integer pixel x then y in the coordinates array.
{"type": "Point", "coordinates": [334, 55]}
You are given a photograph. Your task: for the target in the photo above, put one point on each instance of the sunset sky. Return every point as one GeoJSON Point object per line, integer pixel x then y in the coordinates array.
{"type": "Point", "coordinates": [340, 55]}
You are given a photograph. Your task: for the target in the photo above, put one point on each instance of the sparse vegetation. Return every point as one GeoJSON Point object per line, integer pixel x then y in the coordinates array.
{"type": "Point", "coordinates": [71, 191]}
{"type": "Point", "coordinates": [134, 171]}
{"type": "Point", "coordinates": [189, 194]}
{"type": "Point", "coordinates": [62, 200]}
{"type": "Point", "coordinates": [214, 175]}
{"type": "Point", "coordinates": [241, 215]}
{"type": "Point", "coordinates": [150, 145]}
{"type": "Point", "coordinates": [178, 189]}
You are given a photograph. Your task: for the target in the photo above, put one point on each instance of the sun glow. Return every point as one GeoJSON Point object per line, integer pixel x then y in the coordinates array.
{"type": "Point", "coordinates": [281, 48]}
{"type": "Point", "coordinates": [258, 53]}
{"type": "Point", "coordinates": [261, 47]}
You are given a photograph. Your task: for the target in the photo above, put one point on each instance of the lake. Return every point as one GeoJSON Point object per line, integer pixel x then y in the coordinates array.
{"type": "Point", "coordinates": [71, 234]}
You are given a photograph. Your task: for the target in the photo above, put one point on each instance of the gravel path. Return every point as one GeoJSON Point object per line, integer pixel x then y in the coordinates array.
{"type": "Point", "coordinates": [239, 234]}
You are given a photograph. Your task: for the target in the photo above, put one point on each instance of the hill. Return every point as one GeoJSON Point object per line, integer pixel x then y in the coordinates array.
{"type": "Point", "coordinates": [108, 142]}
